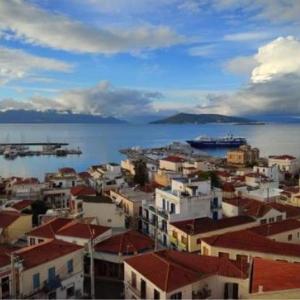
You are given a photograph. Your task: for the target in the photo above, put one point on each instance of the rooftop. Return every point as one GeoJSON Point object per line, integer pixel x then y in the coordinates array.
{"type": "Point", "coordinates": [82, 190]}
{"type": "Point", "coordinates": [282, 157]}
{"type": "Point", "coordinates": [174, 159]}
{"type": "Point", "coordinates": [33, 256]}
{"type": "Point", "coordinates": [203, 225]}
{"type": "Point", "coordinates": [8, 217]}
{"type": "Point", "coordinates": [95, 199]}
{"type": "Point", "coordinates": [49, 229]}
{"type": "Point", "coordinates": [126, 243]}
{"type": "Point", "coordinates": [82, 230]}
{"type": "Point", "coordinates": [275, 228]}
{"type": "Point", "coordinates": [250, 241]}
{"type": "Point", "coordinates": [170, 270]}
{"type": "Point", "coordinates": [22, 204]}
{"type": "Point", "coordinates": [274, 275]}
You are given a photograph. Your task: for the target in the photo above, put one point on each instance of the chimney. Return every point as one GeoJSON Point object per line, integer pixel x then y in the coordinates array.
{"type": "Point", "coordinates": [260, 288]}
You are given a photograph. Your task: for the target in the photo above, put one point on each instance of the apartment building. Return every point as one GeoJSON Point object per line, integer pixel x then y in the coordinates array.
{"type": "Point", "coordinates": [286, 163]}
{"type": "Point", "coordinates": [243, 156]}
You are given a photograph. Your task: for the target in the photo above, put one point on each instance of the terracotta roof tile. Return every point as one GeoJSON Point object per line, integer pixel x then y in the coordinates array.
{"type": "Point", "coordinates": [49, 229]}
{"type": "Point", "coordinates": [274, 275]}
{"type": "Point", "coordinates": [82, 230]}
{"type": "Point", "coordinates": [82, 190]}
{"type": "Point", "coordinates": [250, 241]}
{"type": "Point", "coordinates": [170, 270]}
{"type": "Point", "coordinates": [22, 204]}
{"type": "Point", "coordinates": [126, 243]}
{"type": "Point", "coordinates": [39, 254]}
{"type": "Point", "coordinates": [175, 159]}
{"type": "Point", "coordinates": [8, 217]}
{"type": "Point", "coordinates": [203, 225]}
{"type": "Point", "coordinates": [277, 227]}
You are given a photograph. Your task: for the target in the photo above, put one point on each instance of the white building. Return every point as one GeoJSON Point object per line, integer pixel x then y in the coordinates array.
{"type": "Point", "coordinates": [187, 198]}
{"type": "Point", "coordinates": [286, 163]}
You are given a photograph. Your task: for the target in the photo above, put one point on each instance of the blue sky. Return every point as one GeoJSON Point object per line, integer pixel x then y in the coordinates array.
{"type": "Point", "coordinates": [149, 57]}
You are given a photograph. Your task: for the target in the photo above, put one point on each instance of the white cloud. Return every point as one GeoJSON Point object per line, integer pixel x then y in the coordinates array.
{"type": "Point", "coordinates": [17, 64]}
{"type": "Point", "coordinates": [277, 58]}
{"type": "Point", "coordinates": [246, 36]}
{"type": "Point", "coordinates": [274, 85]}
{"type": "Point", "coordinates": [102, 99]}
{"type": "Point", "coordinates": [241, 65]}
{"type": "Point", "coordinates": [205, 50]}
{"type": "Point", "coordinates": [40, 27]}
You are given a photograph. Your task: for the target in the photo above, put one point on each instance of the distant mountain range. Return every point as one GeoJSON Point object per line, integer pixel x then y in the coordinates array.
{"type": "Point", "coordinates": [183, 118]}
{"type": "Point", "coordinates": [31, 116]}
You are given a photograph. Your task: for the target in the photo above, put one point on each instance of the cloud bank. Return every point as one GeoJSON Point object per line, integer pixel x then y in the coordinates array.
{"type": "Point", "coordinates": [274, 84]}
{"type": "Point", "coordinates": [102, 99]}
{"type": "Point", "coordinates": [36, 26]}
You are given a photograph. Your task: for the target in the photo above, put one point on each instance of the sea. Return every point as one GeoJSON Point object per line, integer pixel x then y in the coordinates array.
{"type": "Point", "coordinates": [100, 143]}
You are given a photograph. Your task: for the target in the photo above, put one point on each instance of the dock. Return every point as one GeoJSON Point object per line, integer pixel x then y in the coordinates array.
{"type": "Point", "coordinates": [33, 144]}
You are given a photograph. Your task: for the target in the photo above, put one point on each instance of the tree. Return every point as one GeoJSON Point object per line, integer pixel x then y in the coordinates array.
{"type": "Point", "coordinates": [215, 182]}
{"type": "Point", "coordinates": [38, 208]}
{"type": "Point", "coordinates": [141, 173]}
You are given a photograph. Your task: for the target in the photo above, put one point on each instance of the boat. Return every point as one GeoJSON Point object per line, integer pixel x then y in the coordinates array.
{"type": "Point", "coordinates": [228, 141]}
{"type": "Point", "coordinates": [10, 153]}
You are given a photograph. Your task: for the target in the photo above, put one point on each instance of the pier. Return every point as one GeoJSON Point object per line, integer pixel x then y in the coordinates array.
{"type": "Point", "coordinates": [33, 144]}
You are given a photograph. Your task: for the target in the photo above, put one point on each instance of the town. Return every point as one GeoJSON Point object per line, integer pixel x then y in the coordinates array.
{"type": "Point", "coordinates": [165, 223]}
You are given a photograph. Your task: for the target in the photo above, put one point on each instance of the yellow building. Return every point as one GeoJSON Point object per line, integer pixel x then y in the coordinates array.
{"type": "Point", "coordinates": [186, 235]}
{"type": "Point", "coordinates": [13, 225]}
{"type": "Point", "coordinates": [245, 155]}
{"type": "Point", "coordinates": [51, 270]}
{"type": "Point", "coordinates": [245, 245]}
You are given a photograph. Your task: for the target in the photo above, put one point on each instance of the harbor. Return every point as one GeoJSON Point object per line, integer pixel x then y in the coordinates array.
{"type": "Point", "coordinates": [11, 151]}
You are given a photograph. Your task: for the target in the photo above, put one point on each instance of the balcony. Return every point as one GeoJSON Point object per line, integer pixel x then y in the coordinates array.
{"type": "Point", "coordinates": [163, 214]}
{"type": "Point", "coordinates": [173, 240]}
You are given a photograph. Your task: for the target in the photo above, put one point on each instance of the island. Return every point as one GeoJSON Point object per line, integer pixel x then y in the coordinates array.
{"type": "Point", "coordinates": [185, 118]}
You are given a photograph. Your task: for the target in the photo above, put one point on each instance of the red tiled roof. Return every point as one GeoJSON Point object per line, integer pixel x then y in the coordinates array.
{"type": "Point", "coordinates": [85, 175]}
{"type": "Point", "coordinates": [126, 243]}
{"type": "Point", "coordinates": [251, 207]}
{"type": "Point", "coordinates": [203, 225]}
{"type": "Point", "coordinates": [82, 230]}
{"type": "Point", "coordinates": [175, 159]}
{"type": "Point", "coordinates": [49, 229]}
{"type": "Point", "coordinates": [5, 255]}
{"type": "Point", "coordinates": [33, 256]}
{"type": "Point", "coordinates": [20, 205]}
{"type": "Point", "coordinates": [170, 270]}
{"type": "Point", "coordinates": [67, 171]}
{"type": "Point", "coordinates": [228, 187]}
{"type": "Point", "coordinates": [250, 241]}
{"type": "Point", "coordinates": [275, 228]}
{"type": "Point", "coordinates": [30, 180]}
{"type": "Point", "coordinates": [290, 210]}
{"type": "Point", "coordinates": [82, 190]}
{"type": "Point", "coordinates": [283, 157]}
{"type": "Point", "coordinates": [8, 217]}
{"type": "Point", "coordinates": [274, 275]}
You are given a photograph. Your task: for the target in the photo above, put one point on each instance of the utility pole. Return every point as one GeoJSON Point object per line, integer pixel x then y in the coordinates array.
{"type": "Point", "coordinates": [92, 268]}
{"type": "Point", "coordinates": [13, 277]}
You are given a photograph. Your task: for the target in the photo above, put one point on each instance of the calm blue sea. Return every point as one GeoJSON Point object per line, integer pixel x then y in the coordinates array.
{"type": "Point", "coordinates": [100, 143]}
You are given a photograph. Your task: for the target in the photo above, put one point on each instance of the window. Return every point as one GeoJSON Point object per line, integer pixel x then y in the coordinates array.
{"type": "Point", "coordinates": [133, 279]}
{"type": "Point", "coordinates": [290, 237]}
{"type": "Point", "coordinates": [183, 240]}
{"type": "Point", "coordinates": [51, 274]}
{"type": "Point", "coordinates": [279, 218]}
{"type": "Point", "coordinates": [172, 211]}
{"type": "Point", "coordinates": [70, 291]}
{"type": "Point", "coordinates": [143, 289]}
{"type": "Point", "coordinates": [156, 294]}
{"type": "Point", "coordinates": [271, 220]}
{"type": "Point", "coordinates": [163, 204]}
{"type": "Point", "coordinates": [32, 241]}
{"type": "Point", "coordinates": [198, 241]}
{"type": "Point", "coordinates": [176, 296]}
{"type": "Point", "coordinates": [174, 234]}
{"type": "Point", "coordinates": [36, 281]}
{"type": "Point", "coordinates": [5, 286]}
{"type": "Point", "coordinates": [224, 254]}
{"type": "Point", "coordinates": [263, 221]}
{"type": "Point", "coordinates": [70, 266]}
{"type": "Point", "coordinates": [40, 241]}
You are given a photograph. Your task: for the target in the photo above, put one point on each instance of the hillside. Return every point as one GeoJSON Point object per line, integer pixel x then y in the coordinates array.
{"type": "Point", "coordinates": [183, 118]}
{"type": "Point", "coordinates": [30, 116]}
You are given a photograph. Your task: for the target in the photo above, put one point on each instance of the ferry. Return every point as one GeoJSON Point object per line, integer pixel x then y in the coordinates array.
{"type": "Point", "coordinates": [228, 141]}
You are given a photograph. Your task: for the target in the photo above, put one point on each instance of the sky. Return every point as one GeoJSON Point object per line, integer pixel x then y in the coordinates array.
{"type": "Point", "coordinates": [145, 58]}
